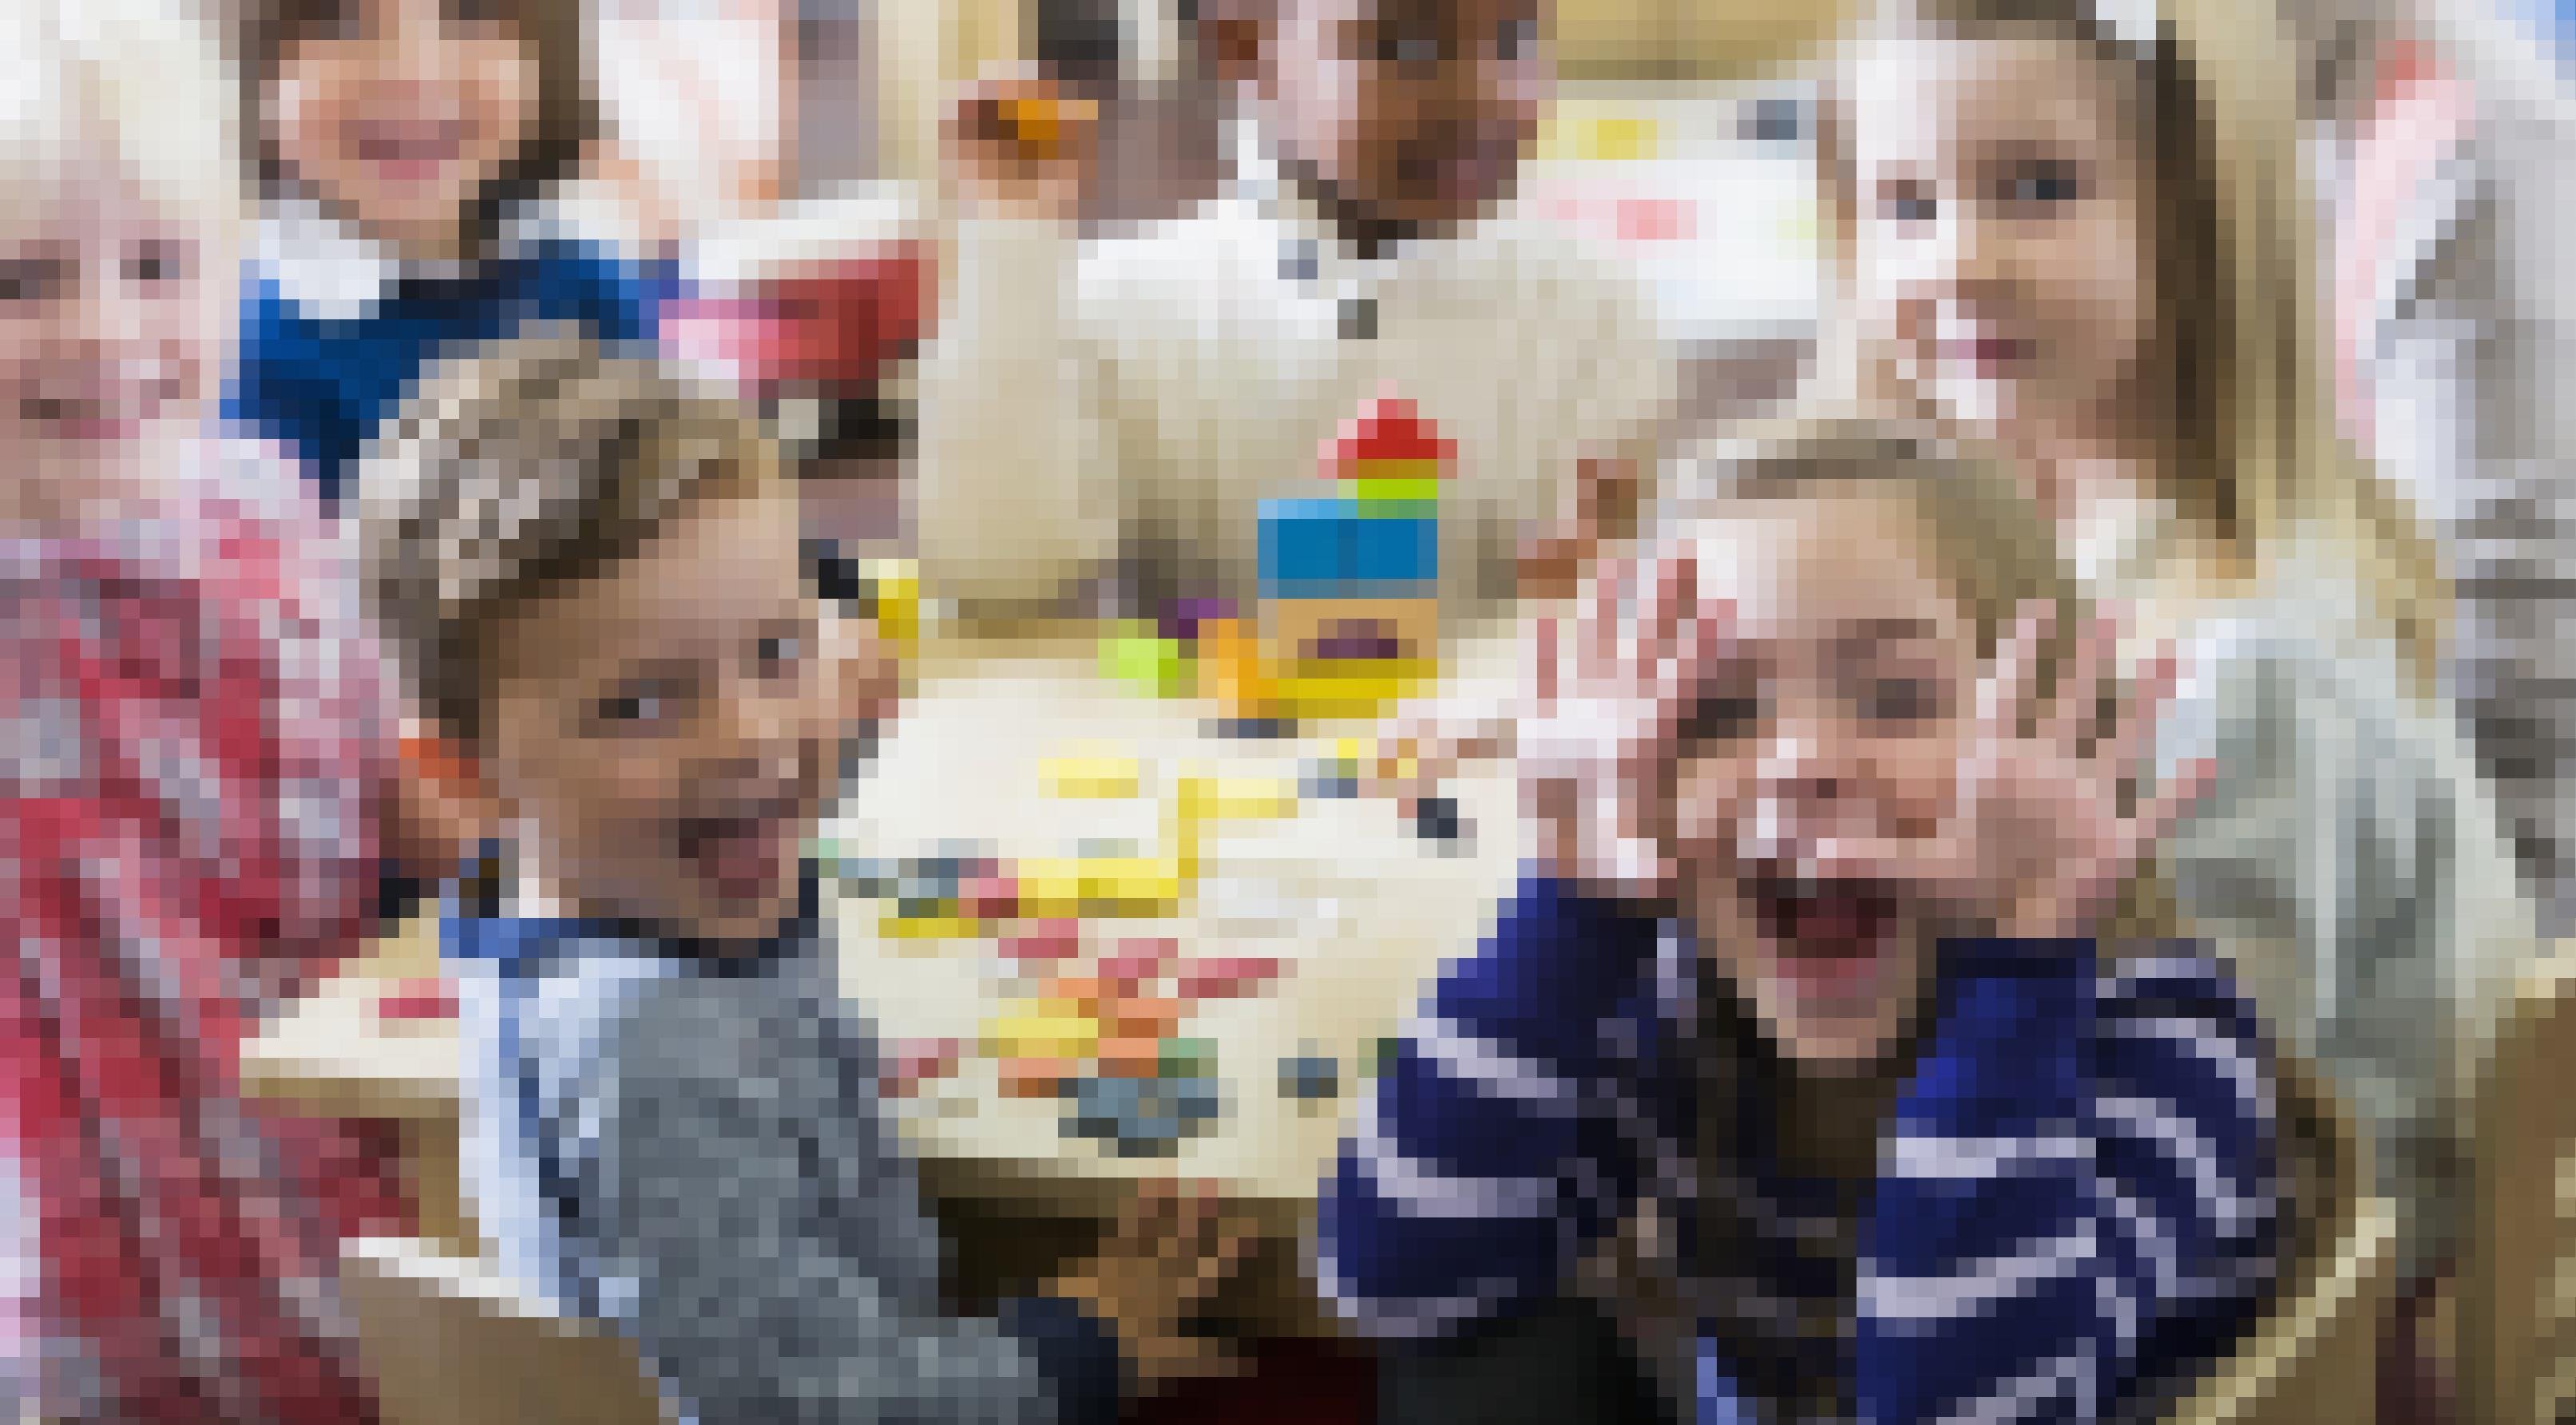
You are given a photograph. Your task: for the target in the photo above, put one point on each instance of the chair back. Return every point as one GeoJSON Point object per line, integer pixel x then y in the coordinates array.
{"type": "Point", "coordinates": [2313, 1357]}
{"type": "Point", "coordinates": [447, 1341]}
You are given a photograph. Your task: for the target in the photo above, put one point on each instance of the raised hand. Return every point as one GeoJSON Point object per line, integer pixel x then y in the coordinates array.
{"type": "Point", "coordinates": [2040, 837]}
{"type": "Point", "coordinates": [1598, 740]}
{"type": "Point", "coordinates": [1168, 1254]}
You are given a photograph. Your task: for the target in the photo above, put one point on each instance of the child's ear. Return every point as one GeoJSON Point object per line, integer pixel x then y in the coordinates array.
{"type": "Point", "coordinates": [443, 806]}
{"type": "Point", "coordinates": [1234, 38]}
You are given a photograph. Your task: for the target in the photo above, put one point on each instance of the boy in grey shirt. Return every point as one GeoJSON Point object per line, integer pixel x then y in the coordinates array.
{"type": "Point", "coordinates": [590, 580]}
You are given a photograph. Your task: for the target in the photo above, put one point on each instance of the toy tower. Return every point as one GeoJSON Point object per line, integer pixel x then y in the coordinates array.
{"type": "Point", "coordinates": [1350, 582]}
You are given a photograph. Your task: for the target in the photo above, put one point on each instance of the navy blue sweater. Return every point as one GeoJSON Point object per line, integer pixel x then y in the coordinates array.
{"type": "Point", "coordinates": [321, 384]}
{"type": "Point", "coordinates": [2076, 1203]}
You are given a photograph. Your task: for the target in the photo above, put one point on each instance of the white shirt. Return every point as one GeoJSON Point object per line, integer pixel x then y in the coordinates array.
{"type": "Point", "coordinates": [1080, 401]}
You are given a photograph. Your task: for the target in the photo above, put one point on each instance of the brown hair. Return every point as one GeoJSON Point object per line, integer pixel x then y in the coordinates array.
{"type": "Point", "coordinates": [2254, 456]}
{"type": "Point", "coordinates": [1985, 540]}
{"type": "Point", "coordinates": [551, 30]}
{"type": "Point", "coordinates": [533, 466]}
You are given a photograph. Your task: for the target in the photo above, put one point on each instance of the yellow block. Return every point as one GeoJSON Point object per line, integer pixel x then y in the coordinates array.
{"type": "Point", "coordinates": [1375, 469]}
{"type": "Point", "coordinates": [929, 927]}
{"type": "Point", "coordinates": [897, 586]}
{"type": "Point", "coordinates": [1617, 140]}
{"type": "Point", "coordinates": [1040, 1036]}
{"type": "Point", "coordinates": [1237, 798]}
{"type": "Point", "coordinates": [1129, 885]}
{"type": "Point", "coordinates": [1091, 778]}
{"type": "Point", "coordinates": [1352, 693]}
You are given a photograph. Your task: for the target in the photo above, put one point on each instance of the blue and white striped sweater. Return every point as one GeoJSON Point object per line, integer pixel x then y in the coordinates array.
{"type": "Point", "coordinates": [2077, 1199]}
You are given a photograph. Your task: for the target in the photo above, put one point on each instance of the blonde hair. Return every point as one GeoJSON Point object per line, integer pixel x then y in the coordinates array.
{"type": "Point", "coordinates": [2256, 459]}
{"type": "Point", "coordinates": [148, 79]}
{"type": "Point", "coordinates": [1982, 536]}
{"type": "Point", "coordinates": [533, 466]}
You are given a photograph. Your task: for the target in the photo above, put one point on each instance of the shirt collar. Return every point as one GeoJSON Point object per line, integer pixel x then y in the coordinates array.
{"type": "Point", "coordinates": [522, 946]}
{"type": "Point", "coordinates": [332, 271]}
{"type": "Point", "coordinates": [1312, 256]}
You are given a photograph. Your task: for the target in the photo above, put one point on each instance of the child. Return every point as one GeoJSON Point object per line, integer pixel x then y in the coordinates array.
{"type": "Point", "coordinates": [191, 758]}
{"type": "Point", "coordinates": [1138, 396]}
{"type": "Point", "coordinates": [2084, 237]}
{"type": "Point", "coordinates": [590, 579]}
{"type": "Point", "coordinates": [402, 138]}
{"type": "Point", "coordinates": [1807, 972]}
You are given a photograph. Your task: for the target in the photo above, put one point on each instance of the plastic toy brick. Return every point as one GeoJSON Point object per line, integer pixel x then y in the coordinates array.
{"type": "Point", "coordinates": [1388, 428]}
{"type": "Point", "coordinates": [1228, 977]}
{"type": "Point", "coordinates": [1130, 886]}
{"type": "Point", "coordinates": [1046, 945]}
{"type": "Point", "coordinates": [992, 897]}
{"type": "Point", "coordinates": [1091, 777]}
{"type": "Point", "coordinates": [1129, 968]}
{"type": "Point", "coordinates": [1412, 622]}
{"type": "Point", "coordinates": [1382, 484]}
{"type": "Point", "coordinates": [929, 927]}
{"type": "Point", "coordinates": [1237, 798]}
{"type": "Point", "coordinates": [1157, 666]}
{"type": "Point", "coordinates": [1188, 1058]}
{"type": "Point", "coordinates": [1310, 539]}
{"type": "Point", "coordinates": [1144, 1017]}
{"type": "Point", "coordinates": [1073, 994]}
{"type": "Point", "coordinates": [1353, 588]}
{"type": "Point", "coordinates": [890, 590]}
{"type": "Point", "coordinates": [1309, 1076]}
{"type": "Point", "coordinates": [1033, 1077]}
{"type": "Point", "coordinates": [1041, 1036]}
{"type": "Point", "coordinates": [1128, 1058]}
{"type": "Point", "coordinates": [1394, 551]}
{"type": "Point", "coordinates": [416, 1001]}
{"type": "Point", "coordinates": [1051, 888]}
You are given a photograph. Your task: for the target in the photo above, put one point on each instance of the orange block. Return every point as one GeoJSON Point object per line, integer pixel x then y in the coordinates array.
{"type": "Point", "coordinates": [1131, 1058]}
{"type": "Point", "coordinates": [1230, 661]}
{"type": "Point", "coordinates": [1033, 1078]}
{"type": "Point", "coordinates": [1080, 992]}
{"type": "Point", "coordinates": [1143, 1017]}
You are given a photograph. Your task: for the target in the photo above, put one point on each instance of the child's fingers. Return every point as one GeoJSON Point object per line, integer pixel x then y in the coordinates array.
{"type": "Point", "coordinates": [1544, 639]}
{"type": "Point", "coordinates": [2002, 697]}
{"type": "Point", "coordinates": [1600, 651]}
{"type": "Point", "coordinates": [2148, 697]}
{"type": "Point", "coordinates": [2074, 712]}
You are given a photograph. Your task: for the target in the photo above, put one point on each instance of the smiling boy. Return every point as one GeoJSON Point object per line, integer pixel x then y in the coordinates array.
{"type": "Point", "coordinates": [589, 575]}
{"type": "Point", "coordinates": [1131, 401]}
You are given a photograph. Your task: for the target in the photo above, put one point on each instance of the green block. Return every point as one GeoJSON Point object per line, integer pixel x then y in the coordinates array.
{"type": "Point", "coordinates": [1372, 491]}
{"type": "Point", "coordinates": [1188, 1058]}
{"type": "Point", "coordinates": [1399, 509]}
{"type": "Point", "coordinates": [1158, 666]}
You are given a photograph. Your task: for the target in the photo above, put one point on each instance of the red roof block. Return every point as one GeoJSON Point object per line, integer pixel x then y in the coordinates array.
{"type": "Point", "coordinates": [1387, 428]}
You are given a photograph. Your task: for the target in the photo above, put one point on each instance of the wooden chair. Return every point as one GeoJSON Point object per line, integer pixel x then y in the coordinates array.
{"type": "Point", "coordinates": [448, 1342]}
{"type": "Point", "coordinates": [2516, 1353]}
{"type": "Point", "coordinates": [2313, 1358]}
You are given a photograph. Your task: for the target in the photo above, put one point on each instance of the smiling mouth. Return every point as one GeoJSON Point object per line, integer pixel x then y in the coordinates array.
{"type": "Point", "coordinates": [1990, 356]}
{"type": "Point", "coordinates": [416, 153]}
{"type": "Point", "coordinates": [1827, 936]}
{"type": "Point", "coordinates": [742, 854]}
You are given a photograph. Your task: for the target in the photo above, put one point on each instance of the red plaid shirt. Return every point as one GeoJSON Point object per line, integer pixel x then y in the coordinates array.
{"type": "Point", "coordinates": [188, 838]}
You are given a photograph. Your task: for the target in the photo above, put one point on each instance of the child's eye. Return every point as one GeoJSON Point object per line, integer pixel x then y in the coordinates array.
{"type": "Point", "coordinates": [1899, 700]}
{"type": "Point", "coordinates": [1409, 48]}
{"type": "Point", "coordinates": [25, 279]}
{"type": "Point", "coordinates": [1517, 40]}
{"type": "Point", "coordinates": [476, 12]}
{"type": "Point", "coordinates": [638, 707]}
{"type": "Point", "coordinates": [156, 262]}
{"type": "Point", "coordinates": [1721, 718]}
{"type": "Point", "coordinates": [2043, 184]}
{"type": "Point", "coordinates": [780, 653]}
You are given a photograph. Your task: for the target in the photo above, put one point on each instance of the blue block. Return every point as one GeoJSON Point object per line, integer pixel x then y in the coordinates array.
{"type": "Point", "coordinates": [1272, 588]}
{"type": "Point", "coordinates": [1310, 539]}
{"type": "Point", "coordinates": [1397, 551]}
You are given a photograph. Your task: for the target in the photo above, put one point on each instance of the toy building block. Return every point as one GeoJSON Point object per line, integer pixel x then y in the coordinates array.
{"type": "Point", "coordinates": [1125, 885]}
{"type": "Point", "coordinates": [890, 593]}
{"type": "Point", "coordinates": [1375, 492]}
{"type": "Point", "coordinates": [1205, 799]}
{"type": "Point", "coordinates": [929, 927]}
{"type": "Point", "coordinates": [1309, 1077]}
{"type": "Point", "coordinates": [416, 1001]}
{"type": "Point", "coordinates": [1074, 994]}
{"type": "Point", "coordinates": [1355, 688]}
{"type": "Point", "coordinates": [1143, 1017]}
{"type": "Point", "coordinates": [1304, 628]}
{"type": "Point", "coordinates": [992, 897]}
{"type": "Point", "coordinates": [1034, 1077]}
{"type": "Point", "coordinates": [1189, 1058]}
{"type": "Point", "coordinates": [1131, 1058]}
{"type": "Point", "coordinates": [1226, 977]}
{"type": "Point", "coordinates": [1196, 1100]}
{"type": "Point", "coordinates": [1050, 943]}
{"type": "Point", "coordinates": [1136, 961]}
{"type": "Point", "coordinates": [1091, 777]}
{"type": "Point", "coordinates": [1157, 666]}
{"type": "Point", "coordinates": [1233, 669]}
{"type": "Point", "coordinates": [1389, 432]}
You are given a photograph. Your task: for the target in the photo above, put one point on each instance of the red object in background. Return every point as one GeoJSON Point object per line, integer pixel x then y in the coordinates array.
{"type": "Point", "coordinates": [416, 1000]}
{"type": "Point", "coordinates": [838, 325]}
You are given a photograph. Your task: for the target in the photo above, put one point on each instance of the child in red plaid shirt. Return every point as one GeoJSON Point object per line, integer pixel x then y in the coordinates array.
{"type": "Point", "coordinates": [187, 832]}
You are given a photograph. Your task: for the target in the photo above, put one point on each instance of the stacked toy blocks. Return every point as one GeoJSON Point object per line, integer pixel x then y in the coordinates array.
{"type": "Point", "coordinates": [1350, 581]}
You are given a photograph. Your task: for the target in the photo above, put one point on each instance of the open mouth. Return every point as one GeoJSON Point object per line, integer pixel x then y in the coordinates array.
{"type": "Point", "coordinates": [743, 855]}
{"type": "Point", "coordinates": [1827, 936]}
{"type": "Point", "coordinates": [1991, 356]}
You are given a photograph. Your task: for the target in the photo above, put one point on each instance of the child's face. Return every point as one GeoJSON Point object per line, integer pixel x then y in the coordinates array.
{"type": "Point", "coordinates": [113, 319]}
{"type": "Point", "coordinates": [398, 112]}
{"type": "Point", "coordinates": [663, 738]}
{"type": "Point", "coordinates": [1842, 713]}
{"type": "Point", "coordinates": [1411, 115]}
{"type": "Point", "coordinates": [2001, 228]}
